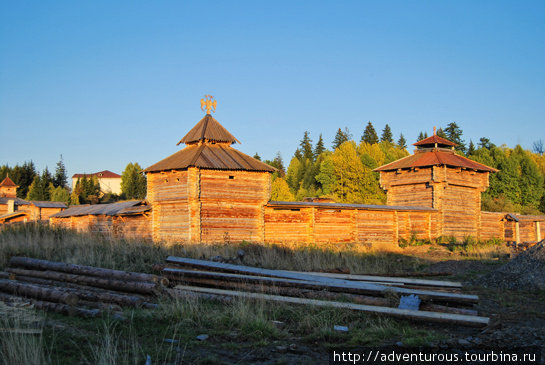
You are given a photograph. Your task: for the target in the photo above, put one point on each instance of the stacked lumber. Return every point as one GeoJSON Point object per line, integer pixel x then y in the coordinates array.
{"type": "Point", "coordinates": [77, 289]}
{"type": "Point", "coordinates": [440, 301]}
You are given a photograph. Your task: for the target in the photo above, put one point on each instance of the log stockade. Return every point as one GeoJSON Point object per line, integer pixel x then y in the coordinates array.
{"type": "Point", "coordinates": [211, 192]}
{"type": "Point", "coordinates": [438, 302]}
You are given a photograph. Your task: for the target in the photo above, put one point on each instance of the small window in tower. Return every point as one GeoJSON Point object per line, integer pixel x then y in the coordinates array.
{"type": "Point", "coordinates": [231, 177]}
{"type": "Point", "coordinates": [177, 179]}
{"type": "Point", "coordinates": [166, 180]}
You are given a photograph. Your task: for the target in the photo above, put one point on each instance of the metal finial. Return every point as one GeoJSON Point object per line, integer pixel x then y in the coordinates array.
{"type": "Point", "coordinates": [209, 104]}
{"type": "Point", "coordinates": [434, 130]}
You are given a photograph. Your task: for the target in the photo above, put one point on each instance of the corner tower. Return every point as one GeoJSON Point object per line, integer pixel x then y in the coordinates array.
{"type": "Point", "coordinates": [8, 188]}
{"type": "Point", "coordinates": [208, 191]}
{"type": "Point", "coordinates": [436, 177]}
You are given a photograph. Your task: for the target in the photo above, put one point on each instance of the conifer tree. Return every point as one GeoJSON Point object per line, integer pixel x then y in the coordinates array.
{"type": "Point", "coordinates": [59, 194]}
{"type": "Point", "coordinates": [471, 148]}
{"type": "Point", "coordinates": [421, 136]}
{"type": "Point", "coordinates": [485, 143]}
{"type": "Point", "coordinates": [60, 178]}
{"type": "Point", "coordinates": [387, 134]}
{"type": "Point", "coordinates": [340, 138]}
{"type": "Point", "coordinates": [454, 134]}
{"type": "Point", "coordinates": [133, 182]}
{"type": "Point", "coordinates": [319, 148]}
{"type": "Point", "coordinates": [369, 134]}
{"type": "Point", "coordinates": [23, 176]}
{"type": "Point", "coordinates": [306, 146]}
{"type": "Point", "coordinates": [257, 157]}
{"type": "Point", "coordinates": [402, 142]}
{"type": "Point", "coordinates": [441, 133]}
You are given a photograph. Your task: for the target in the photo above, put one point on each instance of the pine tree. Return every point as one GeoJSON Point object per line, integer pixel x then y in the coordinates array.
{"type": "Point", "coordinates": [306, 146]}
{"type": "Point", "coordinates": [133, 182]}
{"type": "Point", "coordinates": [471, 148]}
{"type": "Point", "coordinates": [485, 143]}
{"type": "Point", "coordinates": [340, 138]}
{"type": "Point", "coordinates": [369, 134]}
{"type": "Point", "coordinates": [421, 136]}
{"type": "Point", "coordinates": [278, 164]}
{"type": "Point", "coordinates": [298, 154]}
{"type": "Point", "coordinates": [387, 134]}
{"type": "Point", "coordinates": [59, 194]}
{"type": "Point", "coordinates": [23, 176]}
{"type": "Point", "coordinates": [60, 178]}
{"type": "Point", "coordinates": [402, 142]}
{"type": "Point", "coordinates": [319, 148]}
{"type": "Point", "coordinates": [257, 157]}
{"type": "Point", "coordinates": [454, 134]}
{"type": "Point", "coordinates": [441, 133]}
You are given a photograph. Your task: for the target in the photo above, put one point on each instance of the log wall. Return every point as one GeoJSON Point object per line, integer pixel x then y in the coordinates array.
{"type": "Point", "coordinates": [492, 226]}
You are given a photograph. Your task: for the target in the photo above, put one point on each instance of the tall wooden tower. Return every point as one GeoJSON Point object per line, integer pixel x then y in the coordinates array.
{"type": "Point", "coordinates": [436, 177]}
{"type": "Point", "coordinates": [208, 191]}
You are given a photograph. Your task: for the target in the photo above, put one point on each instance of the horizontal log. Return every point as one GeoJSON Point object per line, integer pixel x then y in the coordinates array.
{"type": "Point", "coordinates": [118, 285]}
{"type": "Point", "coordinates": [28, 262]}
{"type": "Point", "coordinates": [37, 292]}
{"type": "Point", "coordinates": [459, 319]}
{"type": "Point", "coordinates": [360, 287]}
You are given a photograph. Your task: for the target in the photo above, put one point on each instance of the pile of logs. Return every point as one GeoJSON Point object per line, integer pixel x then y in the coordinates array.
{"type": "Point", "coordinates": [440, 301]}
{"type": "Point", "coordinates": [77, 289]}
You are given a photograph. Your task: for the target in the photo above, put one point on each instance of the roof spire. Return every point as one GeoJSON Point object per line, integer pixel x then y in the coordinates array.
{"type": "Point", "coordinates": [208, 104]}
{"type": "Point", "coordinates": [434, 130]}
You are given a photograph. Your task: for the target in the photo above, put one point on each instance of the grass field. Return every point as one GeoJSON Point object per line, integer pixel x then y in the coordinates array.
{"type": "Point", "coordinates": [240, 329]}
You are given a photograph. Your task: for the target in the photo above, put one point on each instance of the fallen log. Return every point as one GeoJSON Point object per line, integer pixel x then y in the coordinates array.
{"type": "Point", "coordinates": [37, 292]}
{"type": "Point", "coordinates": [460, 319]}
{"type": "Point", "coordinates": [318, 293]}
{"type": "Point", "coordinates": [17, 261]}
{"type": "Point", "coordinates": [87, 292]}
{"type": "Point", "coordinates": [65, 309]}
{"type": "Point", "coordinates": [348, 286]}
{"type": "Point", "coordinates": [125, 286]}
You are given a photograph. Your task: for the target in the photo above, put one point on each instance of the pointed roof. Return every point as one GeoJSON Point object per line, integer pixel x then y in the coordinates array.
{"type": "Point", "coordinates": [208, 129]}
{"type": "Point", "coordinates": [431, 141]}
{"type": "Point", "coordinates": [8, 182]}
{"type": "Point", "coordinates": [435, 158]}
{"type": "Point", "coordinates": [210, 156]}
{"type": "Point", "coordinates": [100, 174]}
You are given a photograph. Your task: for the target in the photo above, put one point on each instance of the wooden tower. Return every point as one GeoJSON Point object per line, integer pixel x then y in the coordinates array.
{"type": "Point", "coordinates": [436, 177]}
{"type": "Point", "coordinates": [208, 191]}
{"type": "Point", "coordinates": [8, 188]}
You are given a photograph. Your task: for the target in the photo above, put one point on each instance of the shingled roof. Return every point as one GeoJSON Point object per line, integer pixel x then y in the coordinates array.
{"type": "Point", "coordinates": [208, 147]}
{"type": "Point", "coordinates": [208, 129]}
{"type": "Point", "coordinates": [210, 156]}
{"type": "Point", "coordinates": [433, 140]}
{"type": "Point", "coordinates": [8, 182]}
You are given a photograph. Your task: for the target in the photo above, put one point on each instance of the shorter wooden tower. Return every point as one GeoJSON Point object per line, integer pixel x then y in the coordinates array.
{"type": "Point", "coordinates": [436, 177]}
{"type": "Point", "coordinates": [208, 191]}
{"type": "Point", "coordinates": [8, 188]}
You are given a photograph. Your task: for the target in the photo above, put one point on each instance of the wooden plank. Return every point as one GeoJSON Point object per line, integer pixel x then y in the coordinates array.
{"type": "Point", "coordinates": [361, 287]}
{"type": "Point", "coordinates": [460, 319]}
{"type": "Point", "coordinates": [387, 279]}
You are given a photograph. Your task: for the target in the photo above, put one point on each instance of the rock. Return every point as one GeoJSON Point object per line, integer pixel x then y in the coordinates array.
{"type": "Point", "coordinates": [202, 337]}
{"type": "Point", "coordinates": [463, 342]}
{"type": "Point", "coordinates": [241, 253]}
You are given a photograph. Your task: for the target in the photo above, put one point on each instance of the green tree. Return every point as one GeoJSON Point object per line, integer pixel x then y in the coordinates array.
{"type": "Point", "coordinates": [280, 191]}
{"type": "Point", "coordinates": [133, 182]}
{"type": "Point", "coordinates": [402, 142]}
{"type": "Point", "coordinates": [60, 179]}
{"type": "Point", "coordinates": [59, 194]}
{"type": "Point", "coordinates": [319, 148]}
{"type": "Point", "coordinates": [441, 133]}
{"type": "Point", "coordinates": [293, 175]}
{"type": "Point", "coordinates": [278, 164]}
{"type": "Point", "coordinates": [485, 143]}
{"type": "Point", "coordinates": [340, 138]}
{"type": "Point", "coordinates": [257, 157]}
{"type": "Point", "coordinates": [369, 134]}
{"type": "Point", "coordinates": [454, 134]}
{"type": "Point", "coordinates": [421, 136]}
{"type": "Point", "coordinates": [470, 148]}
{"type": "Point", "coordinates": [387, 134]}
{"type": "Point", "coordinates": [23, 176]}
{"type": "Point", "coordinates": [306, 146]}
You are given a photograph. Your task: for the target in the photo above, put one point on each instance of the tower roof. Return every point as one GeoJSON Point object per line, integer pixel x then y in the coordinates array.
{"type": "Point", "coordinates": [435, 158]}
{"type": "Point", "coordinates": [8, 182]}
{"type": "Point", "coordinates": [210, 130]}
{"type": "Point", "coordinates": [435, 139]}
{"type": "Point", "coordinates": [210, 156]}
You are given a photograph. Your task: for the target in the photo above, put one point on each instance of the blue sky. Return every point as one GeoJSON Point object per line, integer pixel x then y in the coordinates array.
{"type": "Point", "coordinates": [105, 83]}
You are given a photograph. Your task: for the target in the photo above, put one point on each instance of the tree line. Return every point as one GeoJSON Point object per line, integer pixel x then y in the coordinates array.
{"type": "Point", "coordinates": [46, 186]}
{"type": "Point", "coordinates": [344, 172]}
